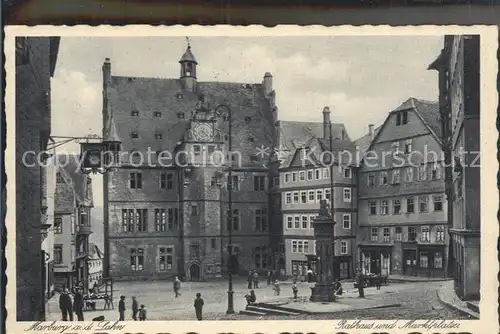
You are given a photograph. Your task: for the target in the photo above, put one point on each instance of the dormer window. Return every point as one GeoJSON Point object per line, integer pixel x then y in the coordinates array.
{"type": "Point", "coordinates": [158, 136]}
{"type": "Point", "coordinates": [402, 118]}
{"type": "Point", "coordinates": [157, 114]}
{"type": "Point", "coordinates": [135, 113]}
{"type": "Point", "coordinates": [134, 135]}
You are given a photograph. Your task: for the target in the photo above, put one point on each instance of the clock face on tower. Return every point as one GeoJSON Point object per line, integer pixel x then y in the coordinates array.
{"type": "Point", "coordinates": [203, 132]}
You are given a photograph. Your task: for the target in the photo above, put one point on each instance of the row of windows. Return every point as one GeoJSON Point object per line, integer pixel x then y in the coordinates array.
{"type": "Point", "coordinates": [307, 221]}
{"type": "Point", "coordinates": [313, 174]}
{"type": "Point", "coordinates": [382, 206]}
{"type": "Point", "coordinates": [309, 247]}
{"type": "Point", "coordinates": [425, 232]}
{"type": "Point", "coordinates": [314, 196]}
{"type": "Point", "coordinates": [424, 172]}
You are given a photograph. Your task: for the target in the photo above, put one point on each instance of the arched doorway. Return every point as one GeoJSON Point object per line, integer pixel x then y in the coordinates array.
{"type": "Point", "coordinates": [194, 272]}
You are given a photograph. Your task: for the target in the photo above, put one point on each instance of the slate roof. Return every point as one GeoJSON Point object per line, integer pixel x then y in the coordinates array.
{"type": "Point", "coordinates": [64, 197]}
{"type": "Point", "coordinates": [95, 251]}
{"type": "Point", "coordinates": [363, 143]}
{"type": "Point", "coordinates": [188, 56]}
{"type": "Point", "coordinates": [428, 112]}
{"type": "Point", "coordinates": [81, 183]}
{"type": "Point", "coordinates": [251, 113]}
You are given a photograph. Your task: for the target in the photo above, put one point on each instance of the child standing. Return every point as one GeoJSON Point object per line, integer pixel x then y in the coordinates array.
{"type": "Point", "coordinates": [142, 313]}
{"type": "Point", "coordinates": [295, 290]}
{"type": "Point", "coordinates": [198, 306]}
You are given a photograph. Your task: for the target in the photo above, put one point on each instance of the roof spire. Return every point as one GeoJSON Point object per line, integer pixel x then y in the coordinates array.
{"type": "Point", "coordinates": [188, 41]}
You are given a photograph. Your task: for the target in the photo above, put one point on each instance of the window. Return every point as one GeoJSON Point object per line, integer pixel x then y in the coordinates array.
{"type": "Point", "coordinates": [196, 150]}
{"type": "Point", "coordinates": [58, 254]}
{"type": "Point", "coordinates": [343, 247]}
{"type": "Point", "coordinates": [294, 246]}
{"type": "Point", "coordinates": [396, 177]}
{"type": "Point", "coordinates": [319, 195]}
{"type": "Point", "coordinates": [383, 178]}
{"type": "Point", "coordinates": [287, 177]}
{"type": "Point", "coordinates": [423, 203]}
{"type": "Point", "coordinates": [163, 180]}
{"type": "Point", "coordinates": [399, 232]}
{"type": "Point", "coordinates": [401, 118]}
{"type": "Point", "coordinates": [299, 268]}
{"type": "Point", "coordinates": [347, 194]}
{"type": "Point", "coordinates": [259, 182]}
{"type": "Point", "coordinates": [387, 234]}
{"type": "Point", "coordinates": [305, 222]}
{"type": "Point", "coordinates": [165, 258]}
{"type": "Point", "coordinates": [435, 172]}
{"type": "Point", "coordinates": [384, 207]}
{"type": "Point", "coordinates": [141, 216]}
{"type": "Point", "coordinates": [158, 135]}
{"type": "Point", "coordinates": [408, 146]}
{"type": "Point", "coordinates": [135, 181]}
{"type": "Point", "coordinates": [422, 172]}
{"type": "Point", "coordinates": [327, 194]}
{"type": "Point", "coordinates": [373, 207]}
{"type": "Point", "coordinates": [157, 114]}
{"type": "Point", "coordinates": [438, 203]}
{"type": "Point", "coordinates": [288, 198]}
{"type": "Point", "coordinates": [311, 196]}
{"type": "Point", "coordinates": [296, 220]}
{"type": "Point", "coordinates": [409, 174]}
{"type": "Point", "coordinates": [135, 113]}
{"type": "Point", "coordinates": [276, 181]}
{"type": "Point", "coordinates": [235, 183]}
{"type": "Point", "coordinates": [396, 206]}
{"type": "Point", "coordinates": [59, 178]}
{"type": "Point", "coordinates": [127, 220]}
{"type": "Point", "coordinates": [295, 197]}
{"type": "Point", "coordinates": [170, 180]}
{"type": "Point", "coordinates": [425, 234]}
{"type": "Point", "coordinates": [300, 246]}
{"type": "Point", "coordinates": [261, 220]}
{"type": "Point", "coordinates": [317, 174]}
{"type": "Point", "coordinates": [160, 220]}
{"type": "Point", "coordinates": [346, 220]}
{"type": "Point", "coordinates": [134, 135]}
{"type": "Point", "coordinates": [235, 224]}
{"type": "Point", "coordinates": [424, 260]}
{"type": "Point", "coordinates": [289, 222]}
{"type": "Point", "coordinates": [371, 180]}
{"type": "Point", "coordinates": [438, 260]}
{"type": "Point", "coordinates": [311, 222]}
{"type": "Point", "coordinates": [303, 197]}
{"type": "Point", "coordinates": [260, 257]}
{"type": "Point", "coordinates": [213, 241]}
{"type": "Point", "coordinates": [326, 173]}
{"type": "Point", "coordinates": [439, 233]}
{"type": "Point", "coordinates": [395, 147]}
{"type": "Point", "coordinates": [137, 259]}
{"type": "Point", "coordinates": [347, 173]}
{"type": "Point", "coordinates": [194, 210]}
{"type": "Point", "coordinates": [58, 225]}
{"type": "Point", "coordinates": [412, 234]}
{"type": "Point", "coordinates": [374, 234]}
{"type": "Point", "coordinates": [294, 177]}
{"type": "Point", "coordinates": [310, 175]}
{"type": "Point", "coordinates": [302, 176]}
{"type": "Point", "coordinates": [410, 206]}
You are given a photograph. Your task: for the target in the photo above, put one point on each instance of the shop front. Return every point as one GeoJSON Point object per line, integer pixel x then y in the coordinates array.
{"type": "Point", "coordinates": [376, 259]}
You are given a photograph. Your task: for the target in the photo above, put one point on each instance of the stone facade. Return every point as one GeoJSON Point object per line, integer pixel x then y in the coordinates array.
{"type": "Point", "coordinates": [402, 206]}
{"type": "Point", "coordinates": [35, 63]}
{"type": "Point", "coordinates": [163, 220]}
{"type": "Point", "coordinates": [459, 85]}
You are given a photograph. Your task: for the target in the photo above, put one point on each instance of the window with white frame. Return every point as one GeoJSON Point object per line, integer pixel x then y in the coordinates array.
{"type": "Point", "coordinates": [303, 197]}
{"type": "Point", "coordinates": [408, 146]}
{"type": "Point", "coordinates": [396, 176]}
{"type": "Point", "coordinates": [343, 247]}
{"type": "Point", "coordinates": [289, 222]}
{"type": "Point", "coordinates": [311, 222]}
{"type": "Point", "coordinates": [374, 234]}
{"type": "Point", "coordinates": [137, 259]}
{"type": "Point", "coordinates": [346, 220]}
{"type": "Point", "coordinates": [295, 197]}
{"type": "Point", "coordinates": [317, 174]}
{"type": "Point", "coordinates": [387, 234]}
{"type": "Point", "coordinates": [395, 147]}
{"type": "Point", "coordinates": [372, 207]}
{"type": "Point", "coordinates": [300, 246]}
{"type": "Point", "coordinates": [327, 194]}
{"type": "Point", "coordinates": [424, 201]}
{"type": "Point", "coordinates": [396, 205]}
{"type": "Point", "coordinates": [371, 180]}
{"type": "Point", "coordinates": [347, 173]}
{"type": "Point", "coordinates": [422, 172]}
{"type": "Point", "coordinates": [409, 174]}
{"type": "Point", "coordinates": [384, 207]}
{"type": "Point", "coordinates": [410, 205]}
{"type": "Point", "coordinates": [435, 171]}
{"type": "Point", "coordinates": [287, 177]}
{"type": "Point", "coordinates": [326, 173]}
{"type": "Point", "coordinates": [311, 196]}
{"type": "Point", "coordinates": [347, 195]}
{"type": "Point", "coordinates": [399, 233]}
{"type": "Point", "coordinates": [296, 220]}
{"type": "Point", "coordinates": [165, 258]}
{"type": "Point", "coordinates": [288, 198]}
{"type": "Point", "coordinates": [305, 222]}
{"type": "Point", "coordinates": [425, 234]}
{"type": "Point", "coordinates": [439, 233]}
{"type": "Point", "coordinates": [302, 175]}
{"type": "Point", "coordinates": [383, 178]}
{"type": "Point", "coordinates": [310, 175]}
{"type": "Point", "coordinates": [424, 260]}
{"type": "Point", "coordinates": [294, 176]}
{"type": "Point", "coordinates": [319, 195]}
{"type": "Point", "coordinates": [438, 203]}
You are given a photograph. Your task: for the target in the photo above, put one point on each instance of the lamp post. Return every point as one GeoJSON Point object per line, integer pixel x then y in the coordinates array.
{"type": "Point", "coordinates": [228, 118]}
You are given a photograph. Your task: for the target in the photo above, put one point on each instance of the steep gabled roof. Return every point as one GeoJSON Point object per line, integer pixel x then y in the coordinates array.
{"type": "Point", "coordinates": [81, 183]}
{"type": "Point", "coordinates": [64, 197]}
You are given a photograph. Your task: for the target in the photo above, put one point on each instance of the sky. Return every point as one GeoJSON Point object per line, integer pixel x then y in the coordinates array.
{"type": "Point", "coordinates": [361, 79]}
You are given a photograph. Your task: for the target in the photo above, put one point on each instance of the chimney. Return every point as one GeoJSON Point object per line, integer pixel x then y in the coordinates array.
{"type": "Point", "coordinates": [267, 83]}
{"type": "Point", "coordinates": [106, 72]}
{"type": "Point", "coordinates": [326, 122]}
{"type": "Point", "coordinates": [370, 130]}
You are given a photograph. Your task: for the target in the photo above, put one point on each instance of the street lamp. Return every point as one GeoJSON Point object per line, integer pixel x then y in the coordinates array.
{"type": "Point", "coordinates": [219, 110]}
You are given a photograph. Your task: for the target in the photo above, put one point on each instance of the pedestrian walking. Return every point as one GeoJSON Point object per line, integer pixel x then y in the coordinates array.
{"type": "Point", "coordinates": [142, 313]}
{"type": "Point", "coordinates": [309, 275]}
{"type": "Point", "coordinates": [121, 308]}
{"type": "Point", "coordinates": [277, 288]}
{"type": "Point", "coordinates": [378, 282]}
{"type": "Point", "coordinates": [78, 304]}
{"type": "Point", "coordinates": [251, 298]}
{"type": "Point", "coordinates": [135, 308]}
{"type": "Point", "coordinates": [295, 290]}
{"type": "Point", "coordinates": [198, 306]}
{"type": "Point", "coordinates": [250, 279]}
{"type": "Point", "coordinates": [272, 277]}
{"type": "Point", "coordinates": [177, 287]}
{"type": "Point", "coordinates": [360, 280]}
{"type": "Point", "coordinates": [66, 305]}
{"type": "Point", "coordinates": [255, 280]}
